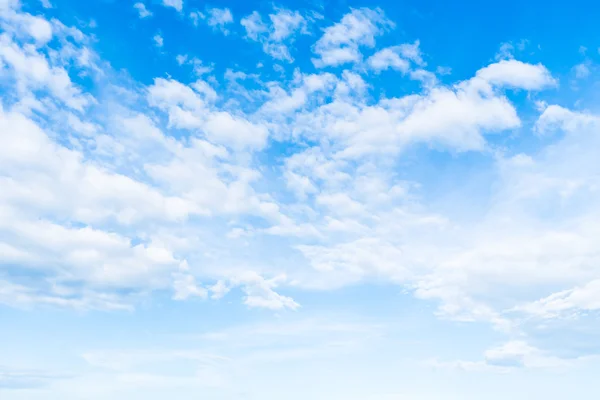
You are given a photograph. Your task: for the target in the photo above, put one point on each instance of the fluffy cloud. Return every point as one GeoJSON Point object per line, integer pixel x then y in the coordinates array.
{"type": "Point", "coordinates": [143, 12]}
{"type": "Point", "coordinates": [457, 117]}
{"type": "Point", "coordinates": [219, 18]}
{"type": "Point", "coordinates": [69, 191]}
{"type": "Point", "coordinates": [32, 71]}
{"type": "Point", "coordinates": [176, 4]}
{"type": "Point", "coordinates": [180, 186]}
{"type": "Point", "coordinates": [275, 37]}
{"type": "Point", "coordinates": [396, 57]}
{"type": "Point", "coordinates": [388, 58]}
{"type": "Point", "coordinates": [341, 42]}
{"type": "Point", "coordinates": [517, 74]}
{"type": "Point", "coordinates": [190, 108]}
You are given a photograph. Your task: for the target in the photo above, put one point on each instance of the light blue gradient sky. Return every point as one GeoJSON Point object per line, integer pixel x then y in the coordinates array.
{"type": "Point", "coordinates": [303, 199]}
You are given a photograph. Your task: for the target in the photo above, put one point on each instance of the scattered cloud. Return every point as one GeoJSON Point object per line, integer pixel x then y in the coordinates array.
{"type": "Point", "coordinates": [388, 58]}
{"type": "Point", "coordinates": [211, 185]}
{"type": "Point", "coordinates": [219, 18]}
{"type": "Point", "coordinates": [143, 12]}
{"type": "Point", "coordinates": [581, 71]}
{"type": "Point", "coordinates": [517, 74]}
{"type": "Point", "coordinates": [176, 4]}
{"type": "Point", "coordinates": [158, 40]}
{"type": "Point", "coordinates": [279, 34]}
{"type": "Point", "coordinates": [198, 66]}
{"type": "Point", "coordinates": [341, 42]}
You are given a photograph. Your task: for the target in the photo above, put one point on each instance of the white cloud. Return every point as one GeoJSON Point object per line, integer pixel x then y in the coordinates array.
{"type": "Point", "coordinates": [24, 24]}
{"type": "Point", "coordinates": [165, 187]}
{"type": "Point", "coordinates": [219, 290]}
{"type": "Point", "coordinates": [508, 357]}
{"type": "Point", "coordinates": [352, 262]}
{"type": "Point", "coordinates": [196, 17]}
{"type": "Point", "coordinates": [181, 59]}
{"type": "Point", "coordinates": [69, 199]}
{"type": "Point", "coordinates": [259, 293]}
{"type": "Point", "coordinates": [33, 71]}
{"type": "Point", "coordinates": [143, 12]}
{"type": "Point", "coordinates": [224, 128]}
{"type": "Point", "coordinates": [517, 74]}
{"type": "Point", "coordinates": [254, 25]}
{"type": "Point", "coordinates": [21, 296]}
{"type": "Point", "coordinates": [199, 67]}
{"type": "Point", "coordinates": [158, 40]}
{"type": "Point", "coordinates": [443, 70]}
{"type": "Point", "coordinates": [187, 108]}
{"type": "Point", "coordinates": [219, 18]}
{"type": "Point", "coordinates": [581, 71]}
{"type": "Point", "coordinates": [286, 23]}
{"type": "Point", "coordinates": [185, 286]}
{"type": "Point", "coordinates": [575, 300]}
{"type": "Point", "coordinates": [277, 36]}
{"type": "Point", "coordinates": [341, 42]}
{"type": "Point", "coordinates": [412, 52]}
{"type": "Point", "coordinates": [176, 4]}
{"type": "Point", "coordinates": [456, 117]}
{"type": "Point", "coordinates": [388, 58]}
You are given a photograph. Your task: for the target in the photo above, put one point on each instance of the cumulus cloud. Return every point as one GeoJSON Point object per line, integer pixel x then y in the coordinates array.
{"type": "Point", "coordinates": [178, 185]}
{"type": "Point", "coordinates": [189, 107]}
{"type": "Point", "coordinates": [176, 4]}
{"type": "Point", "coordinates": [276, 36]}
{"type": "Point", "coordinates": [388, 58]}
{"type": "Point", "coordinates": [517, 74]}
{"type": "Point", "coordinates": [457, 116]}
{"type": "Point", "coordinates": [341, 42]}
{"type": "Point", "coordinates": [259, 292]}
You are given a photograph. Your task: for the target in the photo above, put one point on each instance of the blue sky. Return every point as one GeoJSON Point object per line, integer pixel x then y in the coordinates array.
{"type": "Point", "coordinates": [302, 199]}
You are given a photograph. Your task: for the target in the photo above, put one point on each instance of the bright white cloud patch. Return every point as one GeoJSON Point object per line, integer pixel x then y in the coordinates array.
{"type": "Point", "coordinates": [176, 4]}
{"type": "Point", "coordinates": [341, 42]}
{"type": "Point", "coordinates": [388, 58]}
{"type": "Point", "coordinates": [396, 57]}
{"type": "Point", "coordinates": [276, 36]}
{"type": "Point", "coordinates": [514, 73]}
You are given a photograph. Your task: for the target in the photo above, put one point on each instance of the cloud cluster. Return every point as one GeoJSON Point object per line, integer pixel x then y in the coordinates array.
{"type": "Point", "coordinates": [341, 42]}
{"type": "Point", "coordinates": [113, 194]}
{"type": "Point", "coordinates": [276, 36]}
